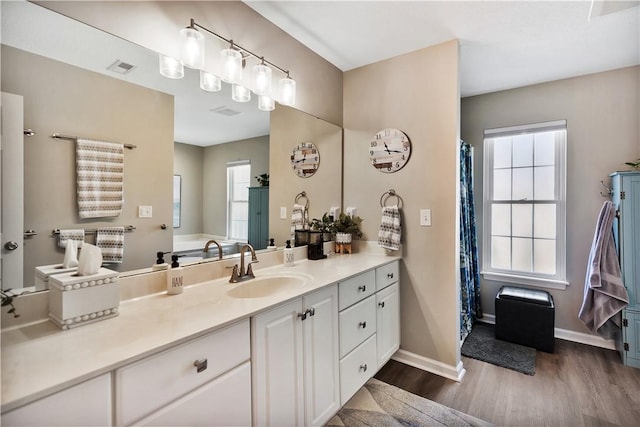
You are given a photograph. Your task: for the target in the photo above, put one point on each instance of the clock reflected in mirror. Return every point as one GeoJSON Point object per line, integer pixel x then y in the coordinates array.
{"type": "Point", "coordinates": [305, 159]}
{"type": "Point", "coordinates": [389, 150]}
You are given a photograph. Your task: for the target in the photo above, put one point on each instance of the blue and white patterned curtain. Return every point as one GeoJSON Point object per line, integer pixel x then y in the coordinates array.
{"type": "Point", "coordinates": [470, 308]}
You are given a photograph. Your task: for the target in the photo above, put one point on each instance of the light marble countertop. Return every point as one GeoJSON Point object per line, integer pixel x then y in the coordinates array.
{"type": "Point", "coordinates": [40, 359]}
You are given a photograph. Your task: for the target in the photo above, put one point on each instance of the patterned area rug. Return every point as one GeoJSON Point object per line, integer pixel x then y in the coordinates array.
{"type": "Point", "coordinates": [380, 404]}
{"type": "Point", "coordinates": [482, 344]}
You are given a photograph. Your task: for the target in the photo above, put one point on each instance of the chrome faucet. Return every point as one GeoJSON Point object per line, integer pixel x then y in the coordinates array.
{"type": "Point", "coordinates": [206, 248]}
{"type": "Point", "coordinates": [241, 276]}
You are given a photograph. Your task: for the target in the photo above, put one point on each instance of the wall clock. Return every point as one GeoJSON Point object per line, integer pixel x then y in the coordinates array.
{"type": "Point", "coordinates": [305, 159]}
{"type": "Point", "coordinates": [389, 150]}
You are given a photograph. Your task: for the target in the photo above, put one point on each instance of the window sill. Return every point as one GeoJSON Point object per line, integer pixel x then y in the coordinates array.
{"type": "Point", "coordinates": [524, 280]}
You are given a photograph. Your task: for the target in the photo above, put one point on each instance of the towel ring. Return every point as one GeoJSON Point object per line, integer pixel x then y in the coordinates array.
{"type": "Point", "coordinates": [387, 194]}
{"type": "Point", "coordinates": [301, 195]}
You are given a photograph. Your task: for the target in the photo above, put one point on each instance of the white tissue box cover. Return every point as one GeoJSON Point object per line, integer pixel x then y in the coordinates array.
{"type": "Point", "coordinates": [44, 271]}
{"type": "Point", "coordinates": [78, 300]}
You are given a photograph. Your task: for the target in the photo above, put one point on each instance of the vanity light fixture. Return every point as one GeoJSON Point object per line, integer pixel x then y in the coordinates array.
{"type": "Point", "coordinates": [233, 59]}
{"type": "Point", "coordinates": [171, 67]}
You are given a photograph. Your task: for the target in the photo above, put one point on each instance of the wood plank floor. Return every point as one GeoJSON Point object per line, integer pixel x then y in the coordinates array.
{"type": "Point", "coordinates": [578, 385]}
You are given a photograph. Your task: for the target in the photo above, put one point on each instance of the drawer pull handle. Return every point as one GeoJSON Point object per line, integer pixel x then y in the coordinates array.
{"type": "Point", "coordinates": [381, 304]}
{"type": "Point", "coordinates": [303, 316]}
{"type": "Point", "coordinates": [201, 365]}
{"type": "Point", "coordinates": [363, 367]}
{"type": "Point", "coordinates": [389, 275]}
{"type": "Point", "coordinates": [362, 288]}
{"type": "Point", "coordinates": [363, 324]}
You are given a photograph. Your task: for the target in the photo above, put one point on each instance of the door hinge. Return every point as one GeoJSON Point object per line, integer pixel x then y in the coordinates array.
{"type": "Point", "coordinates": [626, 346]}
{"type": "Point", "coordinates": [622, 195]}
{"type": "Point", "coordinates": [625, 323]}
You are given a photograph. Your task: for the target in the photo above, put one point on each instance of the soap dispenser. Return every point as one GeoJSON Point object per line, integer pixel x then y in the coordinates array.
{"type": "Point", "coordinates": [288, 255]}
{"type": "Point", "coordinates": [174, 277]}
{"type": "Point", "coordinates": [160, 264]}
{"type": "Point", "coordinates": [272, 244]}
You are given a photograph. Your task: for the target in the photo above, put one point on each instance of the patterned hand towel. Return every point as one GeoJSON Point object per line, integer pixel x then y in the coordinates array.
{"type": "Point", "coordinates": [390, 228]}
{"type": "Point", "coordinates": [297, 218]}
{"type": "Point", "coordinates": [111, 241]}
{"type": "Point", "coordinates": [77, 235]}
{"type": "Point", "coordinates": [100, 170]}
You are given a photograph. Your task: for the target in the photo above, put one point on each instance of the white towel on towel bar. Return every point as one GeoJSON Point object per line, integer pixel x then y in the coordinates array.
{"type": "Point", "coordinates": [390, 230]}
{"type": "Point", "coordinates": [71, 234]}
{"type": "Point", "coordinates": [110, 240]}
{"type": "Point", "coordinates": [100, 177]}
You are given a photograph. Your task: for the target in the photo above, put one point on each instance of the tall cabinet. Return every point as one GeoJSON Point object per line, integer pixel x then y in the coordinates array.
{"type": "Point", "coordinates": [626, 197]}
{"type": "Point", "coordinates": [258, 217]}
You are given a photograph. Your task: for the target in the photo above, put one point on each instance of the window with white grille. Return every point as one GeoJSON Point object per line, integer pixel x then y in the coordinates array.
{"type": "Point", "coordinates": [238, 181]}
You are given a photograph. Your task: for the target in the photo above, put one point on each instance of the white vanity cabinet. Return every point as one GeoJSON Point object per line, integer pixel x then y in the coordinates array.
{"type": "Point", "coordinates": [295, 361]}
{"type": "Point", "coordinates": [206, 381]}
{"type": "Point", "coordinates": [369, 325]}
{"type": "Point", "coordinates": [85, 404]}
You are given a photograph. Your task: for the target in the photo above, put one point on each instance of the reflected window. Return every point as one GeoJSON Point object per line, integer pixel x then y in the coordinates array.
{"type": "Point", "coordinates": [238, 181]}
{"type": "Point", "coordinates": [177, 200]}
{"type": "Point", "coordinates": [524, 204]}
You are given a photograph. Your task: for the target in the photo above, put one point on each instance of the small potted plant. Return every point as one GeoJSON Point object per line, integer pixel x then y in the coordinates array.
{"type": "Point", "coordinates": [634, 165]}
{"type": "Point", "coordinates": [325, 225]}
{"type": "Point", "coordinates": [346, 228]}
{"type": "Point", "coordinates": [263, 179]}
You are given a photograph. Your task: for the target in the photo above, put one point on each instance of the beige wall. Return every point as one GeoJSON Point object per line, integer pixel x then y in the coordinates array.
{"type": "Point", "coordinates": [187, 162]}
{"type": "Point", "coordinates": [290, 127]}
{"type": "Point", "coordinates": [214, 175]}
{"type": "Point", "coordinates": [155, 25]}
{"type": "Point", "coordinates": [417, 93]}
{"type": "Point", "coordinates": [602, 112]}
{"type": "Point", "coordinates": [69, 100]}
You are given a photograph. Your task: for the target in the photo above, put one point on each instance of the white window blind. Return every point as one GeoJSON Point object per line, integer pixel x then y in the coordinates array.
{"type": "Point", "coordinates": [238, 181]}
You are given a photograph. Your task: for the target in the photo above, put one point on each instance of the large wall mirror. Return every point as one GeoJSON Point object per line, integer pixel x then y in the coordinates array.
{"type": "Point", "coordinates": [83, 89]}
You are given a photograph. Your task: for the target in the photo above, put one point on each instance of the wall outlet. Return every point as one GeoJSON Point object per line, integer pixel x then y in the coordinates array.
{"type": "Point", "coordinates": [425, 217]}
{"type": "Point", "coordinates": [145, 211]}
{"type": "Point", "coordinates": [351, 211]}
{"type": "Point", "coordinates": [283, 212]}
{"type": "Point", "coordinates": [334, 211]}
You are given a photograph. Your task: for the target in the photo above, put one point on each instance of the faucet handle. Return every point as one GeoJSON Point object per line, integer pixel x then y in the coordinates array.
{"type": "Point", "coordinates": [234, 274]}
{"type": "Point", "coordinates": [250, 270]}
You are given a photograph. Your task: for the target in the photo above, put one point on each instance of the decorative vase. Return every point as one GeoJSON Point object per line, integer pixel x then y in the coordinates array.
{"type": "Point", "coordinates": [343, 243]}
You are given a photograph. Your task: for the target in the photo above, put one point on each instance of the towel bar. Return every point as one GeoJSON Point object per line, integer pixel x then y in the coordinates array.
{"type": "Point", "coordinates": [93, 230]}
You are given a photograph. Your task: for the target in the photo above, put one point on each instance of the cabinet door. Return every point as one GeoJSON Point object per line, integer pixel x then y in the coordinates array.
{"type": "Point", "coordinates": [387, 323]}
{"type": "Point", "coordinates": [86, 404]}
{"type": "Point", "coordinates": [276, 354]}
{"type": "Point", "coordinates": [321, 363]}
{"type": "Point", "coordinates": [258, 217]}
{"type": "Point", "coordinates": [631, 337]}
{"type": "Point", "coordinates": [630, 237]}
{"type": "Point", "coordinates": [225, 401]}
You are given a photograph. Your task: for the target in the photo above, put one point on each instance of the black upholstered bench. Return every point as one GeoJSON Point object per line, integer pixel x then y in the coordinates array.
{"type": "Point", "coordinates": [526, 317]}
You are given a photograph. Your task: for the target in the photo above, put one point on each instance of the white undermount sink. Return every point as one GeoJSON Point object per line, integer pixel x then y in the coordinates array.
{"type": "Point", "coordinates": [266, 286]}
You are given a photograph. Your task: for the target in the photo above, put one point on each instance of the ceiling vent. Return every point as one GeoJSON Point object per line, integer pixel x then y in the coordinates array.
{"type": "Point", "coordinates": [225, 111]}
{"type": "Point", "coordinates": [121, 67]}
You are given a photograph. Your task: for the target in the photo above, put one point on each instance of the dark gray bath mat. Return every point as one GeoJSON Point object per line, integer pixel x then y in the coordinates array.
{"type": "Point", "coordinates": [481, 344]}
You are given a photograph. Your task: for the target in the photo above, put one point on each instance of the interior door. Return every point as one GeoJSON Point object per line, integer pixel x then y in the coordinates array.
{"type": "Point", "coordinates": [12, 191]}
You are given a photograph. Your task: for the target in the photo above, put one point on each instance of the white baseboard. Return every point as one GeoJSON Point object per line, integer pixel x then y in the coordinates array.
{"type": "Point", "coordinates": [429, 365]}
{"type": "Point", "coordinates": [565, 334]}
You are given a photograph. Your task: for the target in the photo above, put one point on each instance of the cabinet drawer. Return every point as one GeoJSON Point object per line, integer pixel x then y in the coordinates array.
{"type": "Point", "coordinates": [356, 368]}
{"type": "Point", "coordinates": [386, 275]}
{"type": "Point", "coordinates": [149, 384]}
{"type": "Point", "coordinates": [357, 323]}
{"type": "Point", "coordinates": [356, 288]}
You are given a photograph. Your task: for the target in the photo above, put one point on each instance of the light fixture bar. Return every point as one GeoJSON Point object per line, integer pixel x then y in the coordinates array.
{"type": "Point", "coordinates": [231, 42]}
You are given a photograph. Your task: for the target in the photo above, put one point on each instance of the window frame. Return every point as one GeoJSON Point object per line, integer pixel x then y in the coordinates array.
{"type": "Point", "coordinates": [230, 192]}
{"type": "Point", "coordinates": [559, 279]}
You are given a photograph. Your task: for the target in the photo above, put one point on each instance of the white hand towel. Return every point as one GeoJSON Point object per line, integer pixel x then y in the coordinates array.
{"type": "Point", "coordinates": [70, 254]}
{"type": "Point", "coordinates": [100, 176]}
{"type": "Point", "coordinates": [390, 228]}
{"type": "Point", "coordinates": [110, 240]}
{"type": "Point", "coordinates": [297, 218]}
{"type": "Point", "coordinates": [65, 235]}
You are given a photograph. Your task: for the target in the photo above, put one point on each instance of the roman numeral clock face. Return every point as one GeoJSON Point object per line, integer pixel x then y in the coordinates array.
{"type": "Point", "coordinates": [389, 150]}
{"type": "Point", "coordinates": [305, 159]}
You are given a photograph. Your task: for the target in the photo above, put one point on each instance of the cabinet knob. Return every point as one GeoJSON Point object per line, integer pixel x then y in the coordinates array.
{"type": "Point", "coordinates": [363, 367]}
{"type": "Point", "coordinates": [363, 324]}
{"type": "Point", "coordinates": [201, 365]}
{"type": "Point", "coordinates": [389, 275]}
{"type": "Point", "coordinates": [362, 288]}
{"type": "Point", "coordinates": [311, 311]}
{"type": "Point", "coordinates": [381, 304]}
{"type": "Point", "coordinates": [303, 316]}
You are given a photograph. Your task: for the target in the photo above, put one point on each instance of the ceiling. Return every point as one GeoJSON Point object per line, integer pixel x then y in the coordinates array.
{"type": "Point", "coordinates": [504, 44]}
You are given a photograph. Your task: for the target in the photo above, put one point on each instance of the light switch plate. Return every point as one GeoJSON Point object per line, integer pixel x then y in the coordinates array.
{"type": "Point", "coordinates": [351, 211]}
{"type": "Point", "coordinates": [334, 211]}
{"type": "Point", "coordinates": [283, 212]}
{"type": "Point", "coordinates": [425, 217]}
{"type": "Point", "coordinates": [145, 211]}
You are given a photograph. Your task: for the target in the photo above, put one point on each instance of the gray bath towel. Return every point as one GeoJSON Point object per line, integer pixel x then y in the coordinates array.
{"type": "Point", "coordinates": [604, 292]}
